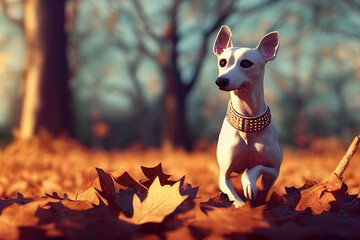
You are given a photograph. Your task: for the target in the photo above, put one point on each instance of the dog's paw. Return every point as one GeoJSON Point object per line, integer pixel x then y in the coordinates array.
{"type": "Point", "coordinates": [250, 191]}
{"type": "Point", "coordinates": [248, 181]}
{"type": "Point", "coordinates": [238, 203]}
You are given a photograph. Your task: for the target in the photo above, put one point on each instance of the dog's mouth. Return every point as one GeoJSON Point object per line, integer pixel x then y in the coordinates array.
{"type": "Point", "coordinates": [223, 89]}
{"type": "Point", "coordinates": [243, 85]}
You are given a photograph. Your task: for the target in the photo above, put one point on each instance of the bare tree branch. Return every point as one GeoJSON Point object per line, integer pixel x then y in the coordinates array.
{"type": "Point", "coordinates": [138, 31]}
{"type": "Point", "coordinates": [140, 38]}
{"type": "Point", "coordinates": [224, 14]}
{"type": "Point", "coordinates": [132, 65]}
{"type": "Point", "coordinates": [144, 19]}
{"type": "Point", "coordinates": [246, 11]}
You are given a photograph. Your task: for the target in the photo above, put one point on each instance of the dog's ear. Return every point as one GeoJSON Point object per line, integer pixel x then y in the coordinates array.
{"type": "Point", "coordinates": [268, 46]}
{"type": "Point", "coordinates": [223, 40]}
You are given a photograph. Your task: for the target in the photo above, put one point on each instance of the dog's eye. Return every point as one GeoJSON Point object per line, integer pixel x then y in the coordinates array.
{"type": "Point", "coordinates": [222, 62]}
{"type": "Point", "coordinates": [246, 63]}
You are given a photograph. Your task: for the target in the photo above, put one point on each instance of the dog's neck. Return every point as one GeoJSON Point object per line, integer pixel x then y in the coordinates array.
{"type": "Point", "coordinates": [249, 102]}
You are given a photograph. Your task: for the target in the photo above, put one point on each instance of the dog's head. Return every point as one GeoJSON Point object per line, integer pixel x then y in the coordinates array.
{"type": "Point", "coordinates": [240, 68]}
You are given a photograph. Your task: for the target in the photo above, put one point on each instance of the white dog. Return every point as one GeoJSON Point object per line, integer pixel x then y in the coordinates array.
{"type": "Point", "coordinates": [248, 142]}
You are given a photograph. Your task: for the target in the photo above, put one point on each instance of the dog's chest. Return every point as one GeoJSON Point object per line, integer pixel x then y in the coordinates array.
{"type": "Point", "coordinates": [240, 152]}
{"type": "Point", "coordinates": [247, 153]}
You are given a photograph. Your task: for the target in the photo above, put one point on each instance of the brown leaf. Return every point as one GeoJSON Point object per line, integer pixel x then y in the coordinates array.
{"type": "Point", "coordinates": [6, 203]}
{"type": "Point", "coordinates": [91, 194]}
{"type": "Point", "coordinates": [186, 189]}
{"type": "Point", "coordinates": [101, 190]}
{"type": "Point", "coordinates": [107, 186]}
{"type": "Point", "coordinates": [219, 201]}
{"type": "Point", "coordinates": [160, 202]}
{"type": "Point", "coordinates": [336, 186]}
{"type": "Point", "coordinates": [77, 205]}
{"type": "Point", "coordinates": [17, 215]}
{"type": "Point", "coordinates": [127, 181]}
{"type": "Point", "coordinates": [152, 173]}
{"type": "Point", "coordinates": [316, 198]}
{"type": "Point", "coordinates": [124, 200]}
{"type": "Point", "coordinates": [319, 196]}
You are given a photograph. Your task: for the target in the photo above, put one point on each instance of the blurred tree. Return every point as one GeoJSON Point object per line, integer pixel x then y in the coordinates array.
{"type": "Point", "coordinates": [46, 96]}
{"type": "Point", "coordinates": [319, 29]}
{"type": "Point", "coordinates": [161, 37]}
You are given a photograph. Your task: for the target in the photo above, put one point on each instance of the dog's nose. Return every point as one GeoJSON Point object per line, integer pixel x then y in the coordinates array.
{"type": "Point", "coordinates": [221, 81]}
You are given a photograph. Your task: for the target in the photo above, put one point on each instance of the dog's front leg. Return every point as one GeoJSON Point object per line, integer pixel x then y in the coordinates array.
{"type": "Point", "coordinates": [250, 176]}
{"type": "Point", "coordinates": [227, 188]}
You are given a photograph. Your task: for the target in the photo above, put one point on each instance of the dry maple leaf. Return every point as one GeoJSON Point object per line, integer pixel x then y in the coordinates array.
{"type": "Point", "coordinates": [17, 215]}
{"type": "Point", "coordinates": [118, 191]}
{"type": "Point", "coordinates": [319, 196]}
{"type": "Point", "coordinates": [316, 198]}
{"type": "Point", "coordinates": [160, 202]}
{"type": "Point", "coordinates": [127, 181]}
{"type": "Point", "coordinates": [219, 201]}
{"type": "Point", "coordinates": [154, 172]}
{"type": "Point", "coordinates": [91, 195]}
{"type": "Point", "coordinates": [102, 188]}
{"type": "Point", "coordinates": [107, 186]}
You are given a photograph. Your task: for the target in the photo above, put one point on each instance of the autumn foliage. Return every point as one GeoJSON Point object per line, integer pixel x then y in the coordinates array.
{"type": "Point", "coordinates": [56, 188]}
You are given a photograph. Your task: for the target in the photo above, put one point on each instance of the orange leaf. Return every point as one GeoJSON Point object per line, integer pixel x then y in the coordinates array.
{"type": "Point", "coordinates": [18, 215]}
{"type": "Point", "coordinates": [126, 180]}
{"type": "Point", "coordinates": [91, 194]}
{"type": "Point", "coordinates": [316, 198]}
{"type": "Point", "coordinates": [336, 185]}
{"type": "Point", "coordinates": [160, 202]}
{"type": "Point", "coordinates": [152, 173]}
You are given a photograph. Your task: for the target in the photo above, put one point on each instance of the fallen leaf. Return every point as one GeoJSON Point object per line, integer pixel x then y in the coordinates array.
{"type": "Point", "coordinates": [186, 189]}
{"type": "Point", "coordinates": [91, 194]}
{"type": "Point", "coordinates": [336, 185]}
{"type": "Point", "coordinates": [124, 200]}
{"type": "Point", "coordinates": [16, 215]}
{"type": "Point", "coordinates": [219, 201]}
{"type": "Point", "coordinates": [77, 205]}
{"type": "Point", "coordinates": [154, 172]}
{"type": "Point", "coordinates": [319, 196]}
{"type": "Point", "coordinates": [107, 186]}
{"type": "Point", "coordinates": [322, 197]}
{"type": "Point", "coordinates": [127, 181]}
{"type": "Point", "coordinates": [101, 189]}
{"type": "Point", "coordinates": [160, 202]}
{"type": "Point", "coordinates": [316, 198]}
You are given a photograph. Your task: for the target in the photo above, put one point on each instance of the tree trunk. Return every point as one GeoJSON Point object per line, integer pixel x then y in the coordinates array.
{"type": "Point", "coordinates": [46, 102]}
{"type": "Point", "coordinates": [174, 130]}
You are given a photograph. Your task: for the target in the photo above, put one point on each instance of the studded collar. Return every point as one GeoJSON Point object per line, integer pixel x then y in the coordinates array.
{"type": "Point", "coordinates": [247, 124]}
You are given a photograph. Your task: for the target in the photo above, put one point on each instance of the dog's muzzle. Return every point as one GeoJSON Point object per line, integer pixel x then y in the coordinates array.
{"type": "Point", "coordinates": [222, 82]}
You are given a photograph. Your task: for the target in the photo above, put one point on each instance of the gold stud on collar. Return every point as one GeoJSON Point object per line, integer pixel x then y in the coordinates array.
{"type": "Point", "coordinates": [247, 124]}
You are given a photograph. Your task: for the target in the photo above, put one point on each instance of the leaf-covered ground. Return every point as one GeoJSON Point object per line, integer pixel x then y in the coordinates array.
{"type": "Point", "coordinates": [56, 188]}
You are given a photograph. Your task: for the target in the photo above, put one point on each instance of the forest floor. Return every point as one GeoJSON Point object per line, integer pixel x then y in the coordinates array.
{"type": "Point", "coordinates": [54, 176]}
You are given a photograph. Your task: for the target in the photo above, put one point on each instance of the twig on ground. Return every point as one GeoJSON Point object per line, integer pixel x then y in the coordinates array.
{"type": "Point", "coordinates": [340, 169]}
